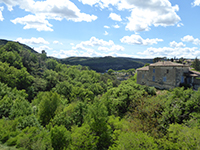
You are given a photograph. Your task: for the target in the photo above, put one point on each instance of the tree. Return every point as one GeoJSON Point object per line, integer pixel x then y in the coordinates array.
{"type": "Point", "coordinates": [134, 140]}
{"type": "Point", "coordinates": [51, 64]}
{"type": "Point", "coordinates": [83, 138]}
{"type": "Point", "coordinates": [60, 137]}
{"type": "Point", "coordinates": [97, 118]}
{"type": "Point", "coordinates": [49, 102]}
{"type": "Point", "coordinates": [196, 64]}
{"type": "Point", "coordinates": [110, 71]}
{"type": "Point", "coordinates": [131, 71]}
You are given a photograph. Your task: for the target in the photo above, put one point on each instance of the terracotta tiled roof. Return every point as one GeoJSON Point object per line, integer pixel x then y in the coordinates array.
{"type": "Point", "coordinates": [168, 63]}
{"type": "Point", "coordinates": [144, 68]}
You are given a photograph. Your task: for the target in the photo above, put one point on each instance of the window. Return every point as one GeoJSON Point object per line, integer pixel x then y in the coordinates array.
{"type": "Point", "coordinates": [153, 70]}
{"type": "Point", "coordinates": [164, 79]}
{"type": "Point", "coordinates": [182, 79]}
{"type": "Point", "coordinates": [142, 76]}
{"type": "Point", "coordinates": [154, 78]}
{"type": "Point", "coordinates": [167, 71]}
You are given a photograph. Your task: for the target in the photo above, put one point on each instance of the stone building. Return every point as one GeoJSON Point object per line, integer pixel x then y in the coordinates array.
{"type": "Point", "coordinates": [167, 75]}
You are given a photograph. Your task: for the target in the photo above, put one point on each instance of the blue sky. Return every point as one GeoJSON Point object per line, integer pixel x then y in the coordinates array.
{"type": "Point", "coordinates": [98, 28]}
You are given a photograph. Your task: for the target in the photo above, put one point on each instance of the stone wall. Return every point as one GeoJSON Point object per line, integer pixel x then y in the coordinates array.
{"type": "Point", "coordinates": [162, 77]}
{"type": "Point", "coordinates": [142, 76]}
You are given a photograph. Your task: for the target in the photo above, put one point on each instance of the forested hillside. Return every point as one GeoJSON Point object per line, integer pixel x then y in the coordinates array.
{"type": "Point", "coordinates": [102, 64]}
{"type": "Point", "coordinates": [48, 105]}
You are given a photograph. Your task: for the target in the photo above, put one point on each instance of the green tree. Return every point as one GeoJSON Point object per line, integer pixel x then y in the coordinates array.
{"type": "Point", "coordinates": [97, 118]}
{"type": "Point", "coordinates": [49, 102]}
{"type": "Point", "coordinates": [64, 88]}
{"type": "Point", "coordinates": [134, 141]}
{"type": "Point", "coordinates": [51, 64]}
{"type": "Point", "coordinates": [20, 107]}
{"type": "Point", "coordinates": [83, 138]}
{"type": "Point", "coordinates": [60, 137]}
{"type": "Point", "coordinates": [181, 137]}
{"type": "Point", "coordinates": [52, 79]}
{"type": "Point", "coordinates": [196, 64]}
{"type": "Point", "coordinates": [110, 71]}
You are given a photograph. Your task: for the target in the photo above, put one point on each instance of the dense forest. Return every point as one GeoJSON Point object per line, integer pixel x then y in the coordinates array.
{"type": "Point", "coordinates": [46, 105]}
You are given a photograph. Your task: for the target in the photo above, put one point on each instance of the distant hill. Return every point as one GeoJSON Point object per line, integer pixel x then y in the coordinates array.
{"type": "Point", "coordinates": [3, 42]}
{"type": "Point", "coordinates": [101, 64]}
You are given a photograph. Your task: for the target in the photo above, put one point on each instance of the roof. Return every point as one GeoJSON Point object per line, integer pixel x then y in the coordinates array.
{"type": "Point", "coordinates": [167, 64]}
{"type": "Point", "coordinates": [144, 68]}
{"type": "Point", "coordinates": [193, 73]}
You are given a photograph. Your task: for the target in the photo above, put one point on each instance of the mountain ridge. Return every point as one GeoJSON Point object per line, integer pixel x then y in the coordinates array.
{"type": "Point", "coordinates": [99, 64]}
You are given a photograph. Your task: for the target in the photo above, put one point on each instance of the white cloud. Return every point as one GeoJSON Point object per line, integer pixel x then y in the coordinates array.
{"type": "Point", "coordinates": [116, 26]}
{"type": "Point", "coordinates": [106, 33]}
{"type": "Point", "coordinates": [153, 12]}
{"type": "Point", "coordinates": [113, 48]}
{"type": "Point", "coordinates": [189, 38]}
{"type": "Point", "coordinates": [107, 27]}
{"type": "Point", "coordinates": [91, 48]}
{"type": "Point", "coordinates": [94, 42]}
{"type": "Point", "coordinates": [34, 22]}
{"type": "Point", "coordinates": [57, 42]}
{"type": "Point", "coordinates": [180, 24]}
{"type": "Point", "coordinates": [170, 52]}
{"type": "Point", "coordinates": [144, 13]}
{"type": "Point", "coordinates": [196, 3]}
{"type": "Point", "coordinates": [115, 17]}
{"type": "Point", "coordinates": [32, 41]}
{"type": "Point", "coordinates": [1, 16]}
{"type": "Point", "coordinates": [137, 39]}
{"type": "Point", "coordinates": [91, 53]}
{"type": "Point", "coordinates": [45, 10]}
{"type": "Point", "coordinates": [44, 47]}
{"type": "Point", "coordinates": [175, 44]}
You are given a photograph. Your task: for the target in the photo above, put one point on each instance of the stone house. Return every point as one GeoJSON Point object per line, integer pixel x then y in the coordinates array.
{"type": "Point", "coordinates": [167, 75]}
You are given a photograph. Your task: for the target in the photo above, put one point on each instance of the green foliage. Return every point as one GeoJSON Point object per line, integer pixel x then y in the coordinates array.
{"type": "Point", "coordinates": [20, 107]}
{"type": "Point", "coordinates": [63, 118]}
{"type": "Point", "coordinates": [60, 137]}
{"type": "Point", "coordinates": [52, 79]}
{"type": "Point", "coordinates": [83, 138]}
{"type": "Point", "coordinates": [14, 77]}
{"type": "Point", "coordinates": [64, 88]}
{"type": "Point", "coordinates": [34, 138]}
{"type": "Point", "coordinates": [27, 121]}
{"type": "Point", "coordinates": [5, 106]}
{"type": "Point", "coordinates": [97, 118]}
{"type": "Point", "coordinates": [146, 115]}
{"type": "Point", "coordinates": [48, 104]}
{"type": "Point", "coordinates": [101, 64]}
{"type": "Point", "coordinates": [181, 137]}
{"type": "Point", "coordinates": [110, 71]}
{"type": "Point", "coordinates": [196, 64]}
{"type": "Point", "coordinates": [8, 98]}
{"type": "Point", "coordinates": [51, 64]}
{"type": "Point", "coordinates": [176, 107]}
{"type": "Point", "coordinates": [117, 100]}
{"type": "Point", "coordinates": [134, 141]}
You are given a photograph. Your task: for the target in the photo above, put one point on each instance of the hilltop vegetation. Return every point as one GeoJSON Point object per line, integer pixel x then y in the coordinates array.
{"type": "Point", "coordinates": [102, 64]}
{"type": "Point", "coordinates": [48, 105]}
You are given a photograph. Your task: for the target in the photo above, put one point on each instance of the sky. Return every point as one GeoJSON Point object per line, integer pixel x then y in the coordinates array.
{"type": "Point", "coordinates": [98, 28]}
